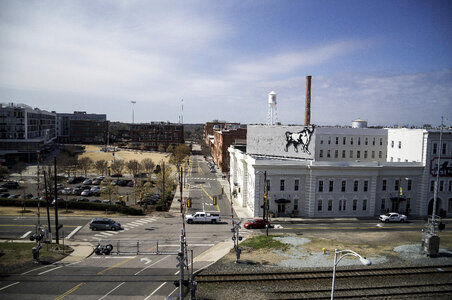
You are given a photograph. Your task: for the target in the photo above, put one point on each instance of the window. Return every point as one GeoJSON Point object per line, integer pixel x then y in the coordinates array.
{"type": "Point", "coordinates": [331, 185]}
{"type": "Point", "coordinates": [380, 154]}
{"type": "Point", "coordinates": [321, 153]}
{"type": "Point", "coordinates": [435, 148]}
{"type": "Point", "coordinates": [441, 186]}
{"type": "Point", "coordinates": [344, 205]}
{"type": "Point", "coordinates": [355, 203]}
{"type": "Point", "coordinates": [344, 185]}
{"type": "Point", "coordinates": [364, 204]}
{"type": "Point", "coordinates": [351, 141]}
{"type": "Point", "coordinates": [383, 204]}
{"type": "Point", "coordinates": [366, 141]}
{"type": "Point", "coordinates": [337, 140]}
{"type": "Point", "coordinates": [321, 141]}
{"type": "Point", "coordinates": [281, 185]}
{"type": "Point", "coordinates": [320, 185]}
{"type": "Point", "coordinates": [340, 205]}
{"type": "Point", "coordinates": [351, 153]}
{"type": "Point", "coordinates": [450, 186]}
{"type": "Point", "coordinates": [400, 144]}
{"type": "Point", "coordinates": [408, 187]}
{"type": "Point", "coordinates": [365, 154]}
{"type": "Point", "coordinates": [366, 185]}
{"type": "Point", "coordinates": [268, 185]}
{"type": "Point", "coordinates": [396, 185]}
{"type": "Point", "coordinates": [383, 186]}
{"type": "Point", "coordinates": [344, 140]}
{"type": "Point", "coordinates": [381, 141]}
{"type": "Point", "coordinates": [328, 154]}
{"type": "Point", "coordinates": [343, 153]}
{"type": "Point", "coordinates": [319, 205]}
{"type": "Point", "coordinates": [373, 154]}
{"type": "Point", "coordinates": [373, 141]}
{"type": "Point", "coordinates": [355, 186]}
{"type": "Point", "coordinates": [450, 205]}
{"type": "Point", "coordinates": [432, 186]}
{"type": "Point", "coordinates": [336, 153]}
{"type": "Point", "coordinates": [443, 151]}
{"type": "Point", "coordinates": [392, 144]}
{"type": "Point", "coordinates": [297, 183]}
{"type": "Point", "coordinates": [359, 141]}
{"type": "Point", "coordinates": [295, 204]}
{"type": "Point", "coordinates": [329, 140]}
{"type": "Point", "coordinates": [358, 154]}
{"type": "Point", "coordinates": [330, 205]}
{"type": "Point", "coordinates": [408, 204]}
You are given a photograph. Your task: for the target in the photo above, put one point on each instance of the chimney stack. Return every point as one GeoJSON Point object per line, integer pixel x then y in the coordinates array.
{"type": "Point", "coordinates": [307, 110]}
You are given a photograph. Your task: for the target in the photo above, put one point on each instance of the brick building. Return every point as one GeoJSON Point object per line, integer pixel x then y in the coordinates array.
{"type": "Point", "coordinates": [222, 140]}
{"type": "Point", "coordinates": [150, 136]}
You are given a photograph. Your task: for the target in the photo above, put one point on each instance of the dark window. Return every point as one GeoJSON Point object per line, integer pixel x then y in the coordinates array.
{"type": "Point", "coordinates": [328, 153]}
{"type": "Point", "coordinates": [344, 140]}
{"type": "Point", "coordinates": [441, 186]}
{"type": "Point", "coordinates": [268, 184]}
{"type": "Point", "coordinates": [281, 185]}
{"type": "Point", "coordinates": [343, 153]}
{"type": "Point", "coordinates": [319, 205]}
{"type": "Point", "coordinates": [321, 153]}
{"type": "Point", "coordinates": [297, 183]}
{"type": "Point", "coordinates": [408, 185]}
{"type": "Point", "coordinates": [330, 205]}
{"type": "Point", "coordinates": [331, 185]}
{"type": "Point", "coordinates": [344, 185]}
{"type": "Point", "coordinates": [364, 204]}
{"type": "Point", "coordinates": [435, 148]}
{"type": "Point", "coordinates": [355, 186]}
{"type": "Point", "coordinates": [355, 202]}
{"type": "Point", "coordinates": [432, 186]}
{"type": "Point", "coordinates": [340, 205]}
{"type": "Point", "coordinates": [444, 150]}
{"type": "Point", "coordinates": [320, 185]}
{"type": "Point", "coordinates": [396, 185]}
{"type": "Point", "coordinates": [336, 153]}
{"type": "Point", "coordinates": [358, 154]}
{"type": "Point", "coordinates": [383, 203]}
{"type": "Point", "coordinates": [383, 187]}
{"type": "Point", "coordinates": [359, 141]}
{"type": "Point", "coordinates": [366, 185]}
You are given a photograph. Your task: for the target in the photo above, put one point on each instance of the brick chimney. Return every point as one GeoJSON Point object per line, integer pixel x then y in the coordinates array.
{"type": "Point", "coordinates": [307, 109]}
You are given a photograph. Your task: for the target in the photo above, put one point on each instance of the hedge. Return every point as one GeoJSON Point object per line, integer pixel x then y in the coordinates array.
{"type": "Point", "coordinates": [73, 205]}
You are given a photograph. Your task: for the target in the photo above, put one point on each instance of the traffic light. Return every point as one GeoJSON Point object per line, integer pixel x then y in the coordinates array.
{"type": "Point", "coordinates": [214, 200]}
{"type": "Point", "coordinates": [189, 203]}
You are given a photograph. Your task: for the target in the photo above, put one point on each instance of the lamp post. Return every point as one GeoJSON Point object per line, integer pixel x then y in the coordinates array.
{"type": "Point", "coordinates": [342, 254]}
{"type": "Point", "coordinates": [133, 116]}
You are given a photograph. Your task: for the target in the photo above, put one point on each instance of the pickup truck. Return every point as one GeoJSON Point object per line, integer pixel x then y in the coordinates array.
{"type": "Point", "coordinates": [393, 217]}
{"type": "Point", "coordinates": [203, 217]}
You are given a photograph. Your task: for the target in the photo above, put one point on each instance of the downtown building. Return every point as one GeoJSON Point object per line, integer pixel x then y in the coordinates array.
{"type": "Point", "coordinates": [321, 172]}
{"type": "Point", "coordinates": [25, 132]}
{"type": "Point", "coordinates": [82, 128]}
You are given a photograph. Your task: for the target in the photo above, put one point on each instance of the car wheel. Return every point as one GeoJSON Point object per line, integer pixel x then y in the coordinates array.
{"type": "Point", "coordinates": [214, 221]}
{"type": "Point", "coordinates": [386, 221]}
{"type": "Point", "coordinates": [94, 228]}
{"type": "Point", "coordinates": [189, 221]}
{"type": "Point", "coordinates": [113, 228]}
{"type": "Point", "coordinates": [402, 220]}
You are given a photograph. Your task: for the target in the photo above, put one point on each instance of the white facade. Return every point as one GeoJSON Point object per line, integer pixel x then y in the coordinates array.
{"type": "Point", "coordinates": [315, 186]}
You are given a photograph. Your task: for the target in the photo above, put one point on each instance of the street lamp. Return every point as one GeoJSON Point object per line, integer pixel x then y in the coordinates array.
{"type": "Point", "coordinates": [133, 117]}
{"type": "Point", "coordinates": [342, 254]}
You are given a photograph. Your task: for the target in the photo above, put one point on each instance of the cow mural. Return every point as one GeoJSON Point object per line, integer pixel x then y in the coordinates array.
{"type": "Point", "coordinates": [299, 139]}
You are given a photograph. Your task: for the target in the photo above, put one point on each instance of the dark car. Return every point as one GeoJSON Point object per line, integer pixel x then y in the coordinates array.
{"type": "Point", "coordinates": [256, 223]}
{"type": "Point", "coordinates": [10, 185]}
{"type": "Point", "coordinates": [75, 180]}
{"type": "Point", "coordinates": [104, 224]}
{"type": "Point", "coordinates": [4, 195]}
{"type": "Point", "coordinates": [116, 175]}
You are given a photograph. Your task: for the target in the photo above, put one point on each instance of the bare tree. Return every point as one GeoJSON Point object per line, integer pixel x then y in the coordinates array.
{"type": "Point", "coordinates": [101, 166]}
{"type": "Point", "coordinates": [66, 163]}
{"type": "Point", "coordinates": [181, 152]}
{"type": "Point", "coordinates": [117, 166]}
{"type": "Point", "coordinates": [85, 164]}
{"type": "Point", "coordinates": [108, 190]}
{"type": "Point", "coordinates": [133, 166]}
{"type": "Point", "coordinates": [148, 165]}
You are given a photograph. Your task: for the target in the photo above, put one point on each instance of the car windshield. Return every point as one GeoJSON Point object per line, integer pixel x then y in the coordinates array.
{"type": "Point", "coordinates": [388, 215]}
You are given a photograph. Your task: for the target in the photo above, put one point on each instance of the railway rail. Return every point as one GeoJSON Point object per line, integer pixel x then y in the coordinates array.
{"type": "Point", "coordinates": [393, 282]}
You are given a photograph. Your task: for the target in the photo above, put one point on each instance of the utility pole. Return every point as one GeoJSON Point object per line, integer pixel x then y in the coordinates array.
{"type": "Point", "coordinates": [163, 183]}
{"type": "Point", "coordinates": [56, 202]}
{"type": "Point", "coordinates": [181, 264]}
{"type": "Point", "coordinates": [435, 194]}
{"type": "Point", "coordinates": [266, 201]}
{"type": "Point", "coordinates": [47, 205]}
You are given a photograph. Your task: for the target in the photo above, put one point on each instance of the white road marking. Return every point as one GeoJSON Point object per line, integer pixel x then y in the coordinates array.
{"type": "Point", "coordinates": [125, 229]}
{"type": "Point", "coordinates": [155, 291]}
{"type": "Point", "coordinates": [25, 235]}
{"type": "Point", "coordinates": [131, 225]}
{"type": "Point", "coordinates": [106, 233]}
{"type": "Point", "coordinates": [74, 232]}
{"type": "Point", "coordinates": [173, 292]}
{"type": "Point", "coordinates": [111, 290]}
{"type": "Point", "coordinates": [34, 270]}
{"type": "Point", "coordinates": [50, 270]}
{"type": "Point", "coordinates": [5, 287]}
{"type": "Point", "coordinates": [109, 257]}
{"type": "Point", "coordinates": [114, 232]}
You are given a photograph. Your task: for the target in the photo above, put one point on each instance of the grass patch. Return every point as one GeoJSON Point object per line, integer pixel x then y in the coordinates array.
{"type": "Point", "coordinates": [264, 242]}
{"type": "Point", "coordinates": [17, 255]}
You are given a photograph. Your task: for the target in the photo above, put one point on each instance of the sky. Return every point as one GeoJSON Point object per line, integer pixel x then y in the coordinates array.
{"type": "Point", "coordinates": [387, 62]}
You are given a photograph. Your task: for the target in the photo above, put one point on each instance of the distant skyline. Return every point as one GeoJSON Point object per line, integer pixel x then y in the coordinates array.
{"type": "Point", "coordinates": [387, 62]}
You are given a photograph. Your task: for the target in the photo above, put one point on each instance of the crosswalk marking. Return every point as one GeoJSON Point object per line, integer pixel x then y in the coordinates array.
{"type": "Point", "coordinates": [25, 235]}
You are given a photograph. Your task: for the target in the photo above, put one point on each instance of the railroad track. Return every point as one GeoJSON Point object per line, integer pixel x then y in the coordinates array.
{"type": "Point", "coordinates": [392, 283]}
{"type": "Point", "coordinates": [279, 276]}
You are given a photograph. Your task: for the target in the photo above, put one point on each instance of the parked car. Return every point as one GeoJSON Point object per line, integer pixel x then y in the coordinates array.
{"type": "Point", "coordinates": [29, 196]}
{"type": "Point", "coordinates": [77, 190]}
{"type": "Point", "coordinates": [116, 175]}
{"type": "Point", "coordinates": [14, 196]}
{"type": "Point", "coordinates": [11, 185]}
{"type": "Point", "coordinates": [82, 200]}
{"type": "Point", "coordinates": [73, 180]}
{"type": "Point", "coordinates": [4, 195]}
{"type": "Point", "coordinates": [87, 181]}
{"type": "Point", "coordinates": [97, 181]}
{"type": "Point", "coordinates": [393, 217]}
{"type": "Point", "coordinates": [66, 191]}
{"type": "Point", "coordinates": [95, 200]}
{"type": "Point", "coordinates": [106, 201]}
{"type": "Point", "coordinates": [86, 193]}
{"type": "Point", "coordinates": [104, 224]}
{"type": "Point", "coordinates": [256, 224]}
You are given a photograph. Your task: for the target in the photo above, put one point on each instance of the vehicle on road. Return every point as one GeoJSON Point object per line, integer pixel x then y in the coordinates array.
{"type": "Point", "coordinates": [393, 217]}
{"type": "Point", "coordinates": [203, 217]}
{"type": "Point", "coordinates": [11, 185]}
{"type": "Point", "coordinates": [256, 224]}
{"type": "Point", "coordinates": [104, 224]}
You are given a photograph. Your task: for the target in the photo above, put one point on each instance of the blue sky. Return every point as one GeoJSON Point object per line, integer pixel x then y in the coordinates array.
{"type": "Point", "coordinates": [388, 62]}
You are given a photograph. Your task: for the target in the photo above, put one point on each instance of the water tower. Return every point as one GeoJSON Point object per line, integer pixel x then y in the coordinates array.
{"type": "Point", "coordinates": [272, 117]}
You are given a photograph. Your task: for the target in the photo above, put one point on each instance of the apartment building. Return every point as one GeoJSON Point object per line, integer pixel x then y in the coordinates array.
{"type": "Point", "coordinates": [150, 136]}
{"type": "Point", "coordinates": [80, 127]}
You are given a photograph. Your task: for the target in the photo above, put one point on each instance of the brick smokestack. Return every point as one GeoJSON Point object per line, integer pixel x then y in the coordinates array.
{"type": "Point", "coordinates": [307, 109]}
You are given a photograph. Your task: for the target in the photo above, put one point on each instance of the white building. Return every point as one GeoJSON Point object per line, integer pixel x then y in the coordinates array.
{"type": "Point", "coordinates": [331, 172]}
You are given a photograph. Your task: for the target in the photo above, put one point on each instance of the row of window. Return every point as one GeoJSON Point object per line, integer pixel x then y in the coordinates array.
{"type": "Point", "coordinates": [443, 148]}
{"type": "Point", "coordinates": [365, 185]}
{"type": "Point", "coordinates": [351, 154]}
{"type": "Point", "coordinates": [350, 140]}
{"type": "Point", "coordinates": [342, 205]}
{"type": "Point", "coordinates": [441, 186]}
